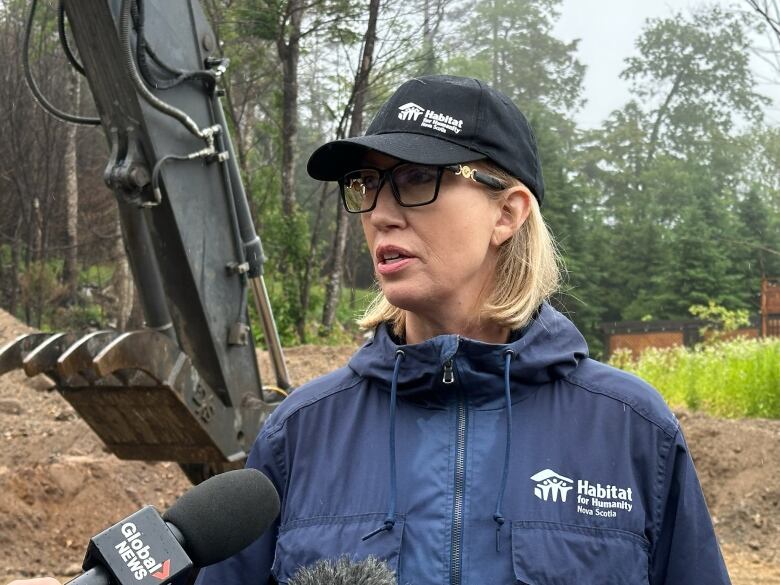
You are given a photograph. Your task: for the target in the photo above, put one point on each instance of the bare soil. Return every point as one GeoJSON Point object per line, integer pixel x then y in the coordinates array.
{"type": "Point", "coordinates": [58, 485]}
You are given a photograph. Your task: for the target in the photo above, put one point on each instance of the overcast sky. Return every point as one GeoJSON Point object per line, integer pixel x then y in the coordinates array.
{"type": "Point", "coordinates": [608, 29]}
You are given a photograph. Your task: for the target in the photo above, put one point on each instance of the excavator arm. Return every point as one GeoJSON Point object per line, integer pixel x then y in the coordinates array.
{"type": "Point", "coordinates": [187, 387]}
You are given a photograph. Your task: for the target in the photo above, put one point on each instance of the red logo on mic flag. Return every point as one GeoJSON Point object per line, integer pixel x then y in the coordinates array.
{"type": "Point", "coordinates": [164, 572]}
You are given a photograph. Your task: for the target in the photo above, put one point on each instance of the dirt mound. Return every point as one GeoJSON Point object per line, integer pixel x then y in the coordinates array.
{"type": "Point", "coordinates": [738, 462]}
{"type": "Point", "coordinates": [58, 485]}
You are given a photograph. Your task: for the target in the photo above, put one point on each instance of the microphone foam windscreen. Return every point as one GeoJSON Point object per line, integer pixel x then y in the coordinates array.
{"type": "Point", "coordinates": [343, 571]}
{"type": "Point", "coordinates": [224, 514]}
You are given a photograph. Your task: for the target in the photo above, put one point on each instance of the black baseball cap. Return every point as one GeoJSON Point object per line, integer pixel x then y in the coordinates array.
{"type": "Point", "coordinates": [441, 120]}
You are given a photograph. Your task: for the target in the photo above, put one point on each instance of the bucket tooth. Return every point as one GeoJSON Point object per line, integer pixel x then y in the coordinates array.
{"type": "Point", "coordinates": [43, 359]}
{"type": "Point", "coordinates": [171, 415]}
{"type": "Point", "coordinates": [12, 354]}
{"type": "Point", "coordinates": [146, 350]}
{"type": "Point", "coordinates": [77, 359]}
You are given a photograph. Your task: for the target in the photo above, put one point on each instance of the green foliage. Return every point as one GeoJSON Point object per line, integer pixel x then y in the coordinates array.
{"type": "Point", "coordinates": [50, 305]}
{"type": "Point", "coordinates": [96, 275]}
{"type": "Point", "coordinates": [40, 289]}
{"type": "Point", "coordinates": [668, 176]}
{"type": "Point", "coordinates": [287, 246]}
{"type": "Point", "coordinates": [260, 18]}
{"type": "Point", "coordinates": [696, 72]}
{"type": "Point", "coordinates": [510, 44]}
{"type": "Point", "coordinates": [351, 305]}
{"type": "Point", "coordinates": [673, 201]}
{"type": "Point", "coordinates": [720, 320]}
{"type": "Point", "coordinates": [734, 379]}
{"type": "Point", "coordinates": [81, 316]}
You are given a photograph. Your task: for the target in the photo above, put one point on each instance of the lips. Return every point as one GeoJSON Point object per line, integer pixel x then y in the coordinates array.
{"type": "Point", "coordinates": [388, 255]}
{"type": "Point", "coordinates": [392, 260]}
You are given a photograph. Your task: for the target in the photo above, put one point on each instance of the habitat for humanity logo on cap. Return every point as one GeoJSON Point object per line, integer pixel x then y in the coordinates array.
{"type": "Point", "coordinates": [410, 111]}
{"type": "Point", "coordinates": [443, 123]}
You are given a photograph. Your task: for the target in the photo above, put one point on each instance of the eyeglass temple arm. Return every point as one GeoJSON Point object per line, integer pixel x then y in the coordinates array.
{"type": "Point", "coordinates": [478, 176]}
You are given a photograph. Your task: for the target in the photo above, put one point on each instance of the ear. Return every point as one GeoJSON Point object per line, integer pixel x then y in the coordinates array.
{"type": "Point", "coordinates": [515, 206]}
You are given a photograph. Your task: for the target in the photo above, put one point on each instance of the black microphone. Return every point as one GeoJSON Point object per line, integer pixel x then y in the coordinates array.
{"type": "Point", "coordinates": [209, 523]}
{"type": "Point", "coordinates": [344, 571]}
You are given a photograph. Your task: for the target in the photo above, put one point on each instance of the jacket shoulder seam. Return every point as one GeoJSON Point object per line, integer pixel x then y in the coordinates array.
{"type": "Point", "coordinates": [345, 385]}
{"type": "Point", "coordinates": [589, 387]}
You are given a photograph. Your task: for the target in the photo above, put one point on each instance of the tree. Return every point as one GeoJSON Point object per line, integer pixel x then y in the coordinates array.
{"type": "Point", "coordinates": [757, 240]}
{"type": "Point", "coordinates": [667, 166]}
{"type": "Point", "coordinates": [356, 106]}
{"type": "Point", "coordinates": [768, 12]}
{"type": "Point", "coordinates": [695, 77]}
{"type": "Point", "coordinates": [70, 270]}
{"type": "Point", "coordinates": [510, 43]}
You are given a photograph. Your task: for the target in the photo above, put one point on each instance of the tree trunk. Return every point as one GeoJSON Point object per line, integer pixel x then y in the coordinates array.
{"type": "Point", "coordinates": [333, 289]}
{"type": "Point", "coordinates": [494, 31]}
{"type": "Point", "coordinates": [662, 111]}
{"type": "Point", "coordinates": [122, 280]}
{"type": "Point", "coordinates": [429, 58]}
{"type": "Point", "coordinates": [289, 53]}
{"type": "Point", "coordinates": [16, 259]}
{"type": "Point", "coordinates": [36, 233]}
{"type": "Point", "coordinates": [70, 272]}
{"type": "Point", "coordinates": [308, 274]}
{"type": "Point", "coordinates": [312, 259]}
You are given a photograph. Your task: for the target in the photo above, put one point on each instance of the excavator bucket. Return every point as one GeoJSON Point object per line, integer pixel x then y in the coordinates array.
{"type": "Point", "coordinates": [186, 388]}
{"type": "Point", "coordinates": [142, 396]}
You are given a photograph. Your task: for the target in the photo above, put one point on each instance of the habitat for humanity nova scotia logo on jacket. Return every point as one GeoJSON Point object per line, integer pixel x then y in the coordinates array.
{"type": "Point", "coordinates": [462, 462]}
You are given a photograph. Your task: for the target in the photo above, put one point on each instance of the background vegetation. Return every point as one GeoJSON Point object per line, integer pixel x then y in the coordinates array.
{"type": "Point", "coordinates": [674, 200]}
{"type": "Point", "coordinates": [735, 378]}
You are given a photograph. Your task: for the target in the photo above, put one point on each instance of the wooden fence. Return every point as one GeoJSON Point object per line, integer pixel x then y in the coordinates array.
{"type": "Point", "coordinates": [770, 307]}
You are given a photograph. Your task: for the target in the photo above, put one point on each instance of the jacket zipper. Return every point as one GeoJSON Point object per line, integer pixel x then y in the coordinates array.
{"type": "Point", "coordinates": [460, 472]}
{"type": "Point", "coordinates": [449, 374]}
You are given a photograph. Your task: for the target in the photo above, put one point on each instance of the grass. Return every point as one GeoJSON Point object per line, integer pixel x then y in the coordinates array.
{"type": "Point", "coordinates": [739, 378]}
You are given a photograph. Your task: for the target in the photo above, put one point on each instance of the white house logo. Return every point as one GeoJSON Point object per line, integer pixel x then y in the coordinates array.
{"type": "Point", "coordinates": [550, 485]}
{"type": "Point", "coordinates": [593, 499]}
{"type": "Point", "coordinates": [410, 111]}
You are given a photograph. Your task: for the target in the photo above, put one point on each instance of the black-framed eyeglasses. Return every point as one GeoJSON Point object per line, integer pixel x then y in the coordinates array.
{"type": "Point", "coordinates": [412, 184]}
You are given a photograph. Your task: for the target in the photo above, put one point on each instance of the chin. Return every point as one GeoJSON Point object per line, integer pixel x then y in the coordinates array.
{"type": "Point", "coordinates": [407, 298]}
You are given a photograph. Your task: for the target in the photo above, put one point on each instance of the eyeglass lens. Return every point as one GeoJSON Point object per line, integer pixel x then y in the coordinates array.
{"type": "Point", "coordinates": [411, 184]}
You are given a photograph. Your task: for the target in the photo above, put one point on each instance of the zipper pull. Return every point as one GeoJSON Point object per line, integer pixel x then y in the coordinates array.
{"type": "Point", "coordinates": [449, 373]}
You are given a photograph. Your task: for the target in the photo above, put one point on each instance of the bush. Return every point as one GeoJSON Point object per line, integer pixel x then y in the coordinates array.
{"type": "Point", "coordinates": [728, 378]}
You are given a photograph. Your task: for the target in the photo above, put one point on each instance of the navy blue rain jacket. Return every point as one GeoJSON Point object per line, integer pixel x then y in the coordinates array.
{"type": "Point", "coordinates": [462, 462]}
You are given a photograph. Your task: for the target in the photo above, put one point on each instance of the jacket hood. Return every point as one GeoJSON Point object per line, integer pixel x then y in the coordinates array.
{"type": "Point", "coordinates": [547, 349]}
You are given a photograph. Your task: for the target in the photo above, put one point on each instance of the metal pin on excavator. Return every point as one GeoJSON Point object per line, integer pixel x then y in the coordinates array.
{"type": "Point", "coordinates": [187, 387]}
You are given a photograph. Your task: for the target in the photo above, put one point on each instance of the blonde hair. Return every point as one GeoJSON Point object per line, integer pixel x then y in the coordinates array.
{"type": "Point", "coordinates": [528, 272]}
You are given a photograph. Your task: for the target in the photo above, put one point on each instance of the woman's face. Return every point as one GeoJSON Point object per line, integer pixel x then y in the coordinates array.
{"type": "Point", "coordinates": [436, 260]}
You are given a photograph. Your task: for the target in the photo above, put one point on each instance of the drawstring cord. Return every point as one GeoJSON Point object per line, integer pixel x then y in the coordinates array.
{"type": "Point", "coordinates": [498, 517]}
{"type": "Point", "coordinates": [390, 519]}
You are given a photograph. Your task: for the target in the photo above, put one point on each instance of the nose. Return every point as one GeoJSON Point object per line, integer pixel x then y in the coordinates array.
{"type": "Point", "coordinates": [387, 212]}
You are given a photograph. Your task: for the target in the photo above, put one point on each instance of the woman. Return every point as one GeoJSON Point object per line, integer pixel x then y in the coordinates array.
{"type": "Point", "coordinates": [471, 440]}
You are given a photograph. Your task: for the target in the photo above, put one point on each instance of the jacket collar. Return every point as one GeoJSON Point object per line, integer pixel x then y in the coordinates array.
{"type": "Point", "coordinates": [548, 349]}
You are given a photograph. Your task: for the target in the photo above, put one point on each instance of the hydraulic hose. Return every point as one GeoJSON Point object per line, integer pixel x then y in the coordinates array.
{"type": "Point", "coordinates": [64, 40]}
{"type": "Point", "coordinates": [37, 94]}
{"type": "Point", "coordinates": [156, 103]}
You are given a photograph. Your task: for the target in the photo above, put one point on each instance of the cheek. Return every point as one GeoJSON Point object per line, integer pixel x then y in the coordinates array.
{"type": "Point", "coordinates": [460, 245]}
{"type": "Point", "coordinates": [368, 231]}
